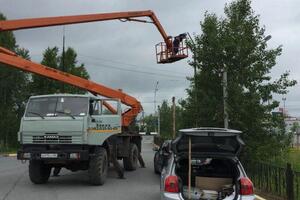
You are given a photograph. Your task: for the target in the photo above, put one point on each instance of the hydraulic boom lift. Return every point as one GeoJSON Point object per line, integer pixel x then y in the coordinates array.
{"type": "Point", "coordinates": [169, 51]}
{"type": "Point", "coordinates": [164, 51]}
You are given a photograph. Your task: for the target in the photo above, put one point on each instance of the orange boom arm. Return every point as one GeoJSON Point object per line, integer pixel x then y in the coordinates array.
{"type": "Point", "coordinates": [18, 24]}
{"type": "Point", "coordinates": [13, 60]}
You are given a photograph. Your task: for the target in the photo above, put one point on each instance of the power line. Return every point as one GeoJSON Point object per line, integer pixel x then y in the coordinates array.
{"type": "Point", "coordinates": [125, 63]}
{"type": "Point", "coordinates": [182, 78]}
{"type": "Point", "coordinates": [133, 70]}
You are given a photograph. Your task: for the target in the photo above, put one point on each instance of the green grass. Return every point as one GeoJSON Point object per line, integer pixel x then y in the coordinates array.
{"type": "Point", "coordinates": [7, 150]}
{"type": "Point", "coordinates": [294, 158]}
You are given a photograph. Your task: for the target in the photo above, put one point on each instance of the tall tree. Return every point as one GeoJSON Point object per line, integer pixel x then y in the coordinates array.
{"type": "Point", "coordinates": [13, 92]}
{"type": "Point", "coordinates": [236, 43]}
{"type": "Point", "coordinates": [51, 58]}
{"type": "Point", "coordinates": [41, 85]}
{"type": "Point", "coordinates": [150, 122]}
{"type": "Point", "coordinates": [69, 65]}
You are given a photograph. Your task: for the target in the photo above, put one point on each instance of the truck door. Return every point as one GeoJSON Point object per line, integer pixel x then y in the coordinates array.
{"type": "Point", "coordinates": [103, 123]}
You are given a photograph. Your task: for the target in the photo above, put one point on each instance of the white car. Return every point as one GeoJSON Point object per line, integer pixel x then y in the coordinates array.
{"type": "Point", "coordinates": [216, 172]}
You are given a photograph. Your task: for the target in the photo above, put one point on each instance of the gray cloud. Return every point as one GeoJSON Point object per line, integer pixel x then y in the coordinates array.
{"type": "Point", "coordinates": [106, 46]}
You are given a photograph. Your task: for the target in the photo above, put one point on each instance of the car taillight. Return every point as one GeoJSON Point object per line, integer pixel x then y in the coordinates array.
{"type": "Point", "coordinates": [171, 184]}
{"type": "Point", "coordinates": [246, 186]}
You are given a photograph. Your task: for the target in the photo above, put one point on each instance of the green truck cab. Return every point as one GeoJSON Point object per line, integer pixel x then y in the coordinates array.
{"type": "Point", "coordinates": [77, 132]}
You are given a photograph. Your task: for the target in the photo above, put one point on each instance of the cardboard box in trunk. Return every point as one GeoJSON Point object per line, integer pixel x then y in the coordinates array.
{"type": "Point", "coordinates": [210, 183]}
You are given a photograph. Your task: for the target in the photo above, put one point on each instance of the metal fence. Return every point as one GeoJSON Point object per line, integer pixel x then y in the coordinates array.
{"type": "Point", "coordinates": [297, 185]}
{"type": "Point", "coordinates": [274, 179]}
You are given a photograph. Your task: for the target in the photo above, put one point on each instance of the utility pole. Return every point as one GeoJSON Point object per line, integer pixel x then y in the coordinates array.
{"type": "Point", "coordinates": [225, 97]}
{"type": "Point", "coordinates": [195, 80]}
{"type": "Point", "coordinates": [158, 120]}
{"type": "Point", "coordinates": [174, 119]}
{"type": "Point", "coordinates": [63, 60]}
{"type": "Point", "coordinates": [155, 90]}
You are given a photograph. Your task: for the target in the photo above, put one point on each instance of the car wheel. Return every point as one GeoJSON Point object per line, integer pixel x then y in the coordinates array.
{"type": "Point", "coordinates": [39, 173]}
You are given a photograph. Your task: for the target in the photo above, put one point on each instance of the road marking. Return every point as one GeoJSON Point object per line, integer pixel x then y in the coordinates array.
{"type": "Point", "coordinates": [259, 198]}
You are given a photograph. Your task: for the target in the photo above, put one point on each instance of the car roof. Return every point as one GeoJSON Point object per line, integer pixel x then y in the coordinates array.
{"type": "Point", "coordinates": [208, 130]}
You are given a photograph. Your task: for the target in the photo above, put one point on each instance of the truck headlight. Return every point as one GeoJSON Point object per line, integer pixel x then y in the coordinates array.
{"type": "Point", "coordinates": [27, 155]}
{"type": "Point", "coordinates": [75, 156]}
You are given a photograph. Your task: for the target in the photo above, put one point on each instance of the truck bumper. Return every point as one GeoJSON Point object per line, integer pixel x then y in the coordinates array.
{"type": "Point", "coordinates": [53, 155]}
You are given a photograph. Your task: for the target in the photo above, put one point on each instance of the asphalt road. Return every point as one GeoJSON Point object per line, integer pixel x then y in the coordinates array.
{"type": "Point", "coordinates": [139, 184]}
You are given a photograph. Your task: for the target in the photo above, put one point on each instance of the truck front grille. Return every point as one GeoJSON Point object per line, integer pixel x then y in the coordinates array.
{"type": "Point", "coordinates": [56, 139]}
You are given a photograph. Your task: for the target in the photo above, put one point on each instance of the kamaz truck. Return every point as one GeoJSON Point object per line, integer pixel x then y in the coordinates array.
{"type": "Point", "coordinates": [76, 132]}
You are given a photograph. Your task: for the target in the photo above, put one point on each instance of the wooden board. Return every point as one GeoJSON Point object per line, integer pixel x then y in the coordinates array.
{"type": "Point", "coordinates": [210, 183]}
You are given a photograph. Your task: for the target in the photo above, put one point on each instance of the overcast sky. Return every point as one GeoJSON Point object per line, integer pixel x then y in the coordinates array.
{"type": "Point", "coordinates": [121, 55]}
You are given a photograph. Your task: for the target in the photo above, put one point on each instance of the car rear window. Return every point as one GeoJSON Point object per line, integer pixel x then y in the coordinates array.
{"type": "Point", "coordinates": [223, 144]}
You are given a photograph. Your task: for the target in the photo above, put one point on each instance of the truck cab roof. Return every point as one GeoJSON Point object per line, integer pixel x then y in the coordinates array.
{"type": "Point", "coordinates": [67, 95]}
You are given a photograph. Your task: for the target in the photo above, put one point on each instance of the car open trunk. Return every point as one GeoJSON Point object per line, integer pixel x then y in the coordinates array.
{"type": "Point", "coordinates": [214, 170]}
{"type": "Point", "coordinates": [211, 178]}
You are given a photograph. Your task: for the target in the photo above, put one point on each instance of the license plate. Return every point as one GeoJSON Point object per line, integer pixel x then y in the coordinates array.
{"type": "Point", "coordinates": [48, 155]}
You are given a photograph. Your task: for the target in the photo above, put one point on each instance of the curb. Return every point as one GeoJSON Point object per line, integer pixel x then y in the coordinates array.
{"type": "Point", "coordinates": [259, 198]}
{"type": "Point", "coordinates": [8, 155]}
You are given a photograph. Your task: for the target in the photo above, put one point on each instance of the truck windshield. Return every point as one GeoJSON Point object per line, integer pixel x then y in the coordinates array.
{"type": "Point", "coordinates": [57, 106]}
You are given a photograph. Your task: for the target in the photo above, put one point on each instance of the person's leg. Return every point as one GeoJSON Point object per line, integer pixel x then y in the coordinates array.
{"type": "Point", "coordinates": [141, 161]}
{"type": "Point", "coordinates": [115, 162]}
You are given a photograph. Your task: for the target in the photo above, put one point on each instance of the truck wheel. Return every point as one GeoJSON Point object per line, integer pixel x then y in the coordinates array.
{"type": "Point", "coordinates": [130, 163]}
{"type": "Point", "coordinates": [98, 167]}
{"type": "Point", "coordinates": [38, 172]}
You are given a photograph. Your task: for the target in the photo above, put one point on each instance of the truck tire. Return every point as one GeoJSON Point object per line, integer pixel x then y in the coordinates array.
{"type": "Point", "coordinates": [98, 167]}
{"type": "Point", "coordinates": [131, 162]}
{"type": "Point", "coordinates": [38, 172]}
